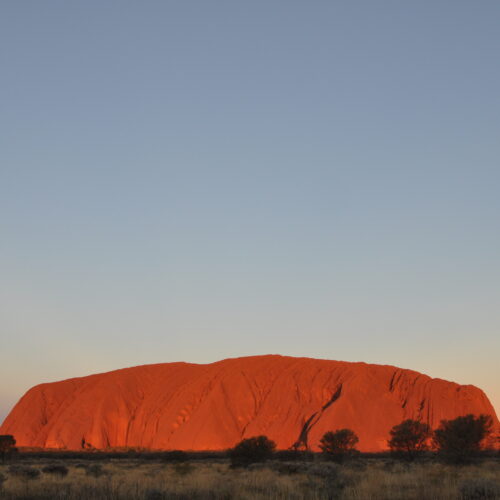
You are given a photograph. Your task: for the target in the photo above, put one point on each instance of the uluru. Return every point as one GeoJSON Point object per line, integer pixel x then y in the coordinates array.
{"type": "Point", "coordinates": [186, 406]}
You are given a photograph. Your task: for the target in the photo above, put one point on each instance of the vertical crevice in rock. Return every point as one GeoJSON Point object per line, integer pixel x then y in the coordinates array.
{"type": "Point", "coordinates": [392, 382]}
{"type": "Point", "coordinates": [302, 441]}
{"type": "Point", "coordinates": [334, 398]}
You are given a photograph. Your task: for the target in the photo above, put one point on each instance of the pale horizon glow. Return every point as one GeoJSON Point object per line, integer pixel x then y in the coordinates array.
{"type": "Point", "coordinates": [193, 181]}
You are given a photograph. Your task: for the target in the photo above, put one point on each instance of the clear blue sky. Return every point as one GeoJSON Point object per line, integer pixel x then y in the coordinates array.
{"type": "Point", "coordinates": [193, 180]}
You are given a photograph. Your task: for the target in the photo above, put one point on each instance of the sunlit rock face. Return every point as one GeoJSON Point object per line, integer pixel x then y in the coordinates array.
{"type": "Point", "coordinates": [183, 406]}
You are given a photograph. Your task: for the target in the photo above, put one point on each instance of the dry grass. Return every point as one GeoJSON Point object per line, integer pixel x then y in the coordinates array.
{"type": "Point", "coordinates": [363, 479]}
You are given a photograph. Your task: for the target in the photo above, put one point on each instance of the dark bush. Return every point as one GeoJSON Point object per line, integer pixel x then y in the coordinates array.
{"type": "Point", "coordinates": [56, 470]}
{"type": "Point", "coordinates": [460, 439]}
{"type": "Point", "coordinates": [7, 446]}
{"type": "Point", "coordinates": [24, 472]}
{"type": "Point", "coordinates": [338, 445]}
{"type": "Point", "coordinates": [254, 449]}
{"type": "Point", "coordinates": [183, 468]}
{"type": "Point", "coordinates": [95, 470]}
{"type": "Point", "coordinates": [288, 468]}
{"type": "Point", "coordinates": [409, 438]}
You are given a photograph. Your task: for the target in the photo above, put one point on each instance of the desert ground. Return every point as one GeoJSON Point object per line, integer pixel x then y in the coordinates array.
{"type": "Point", "coordinates": [52, 477]}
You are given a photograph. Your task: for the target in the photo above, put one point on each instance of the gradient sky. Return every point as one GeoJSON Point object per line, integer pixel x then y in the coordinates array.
{"type": "Point", "coordinates": [193, 180]}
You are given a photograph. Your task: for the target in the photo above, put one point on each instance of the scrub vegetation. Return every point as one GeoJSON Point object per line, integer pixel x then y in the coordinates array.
{"type": "Point", "coordinates": [312, 478]}
{"type": "Point", "coordinates": [450, 463]}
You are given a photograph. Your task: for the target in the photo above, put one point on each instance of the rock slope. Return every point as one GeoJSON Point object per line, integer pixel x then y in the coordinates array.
{"type": "Point", "coordinates": [184, 406]}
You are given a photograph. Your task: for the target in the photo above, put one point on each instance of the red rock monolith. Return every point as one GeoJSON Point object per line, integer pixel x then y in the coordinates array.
{"type": "Point", "coordinates": [185, 406]}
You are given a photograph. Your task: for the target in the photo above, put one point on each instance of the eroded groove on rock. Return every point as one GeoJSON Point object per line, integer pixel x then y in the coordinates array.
{"type": "Point", "coordinates": [302, 442]}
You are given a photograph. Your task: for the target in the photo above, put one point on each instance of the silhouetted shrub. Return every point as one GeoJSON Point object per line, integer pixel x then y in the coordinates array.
{"type": "Point", "coordinates": [24, 472]}
{"type": "Point", "coordinates": [459, 439]}
{"type": "Point", "coordinates": [254, 449]}
{"type": "Point", "coordinates": [3, 478]}
{"type": "Point", "coordinates": [7, 446]}
{"type": "Point", "coordinates": [95, 470]}
{"type": "Point", "coordinates": [479, 489]}
{"type": "Point", "coordinates": [339, 444]}
{"type": "Point", "coordinates": [183, 468]}
{"type": "Point", "coordinates": [409, 438]}
{"type": "Point", "coordinates": [174, 456]}
{"type": "Point", "coordinates": [56, 470]}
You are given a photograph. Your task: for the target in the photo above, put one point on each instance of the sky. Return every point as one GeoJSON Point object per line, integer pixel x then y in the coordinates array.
{"type": "Point", "coordinates": [192, 180]}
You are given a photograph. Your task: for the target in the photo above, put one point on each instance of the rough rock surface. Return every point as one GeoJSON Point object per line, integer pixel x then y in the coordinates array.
{"type": "Point", "coordinates": [198, 407]}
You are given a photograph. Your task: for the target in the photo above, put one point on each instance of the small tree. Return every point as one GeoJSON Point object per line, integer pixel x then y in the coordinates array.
{"type": "Point", "coordinates": [409, 437]}
{"type": "Point", "coordinates": [7, 446]}
{"type": "Point", "coordinates": [460, 438]}
{"type": "Point", "coordinates": [339, 444]}
{"type": "Point", "coordinates": [254, 449]}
